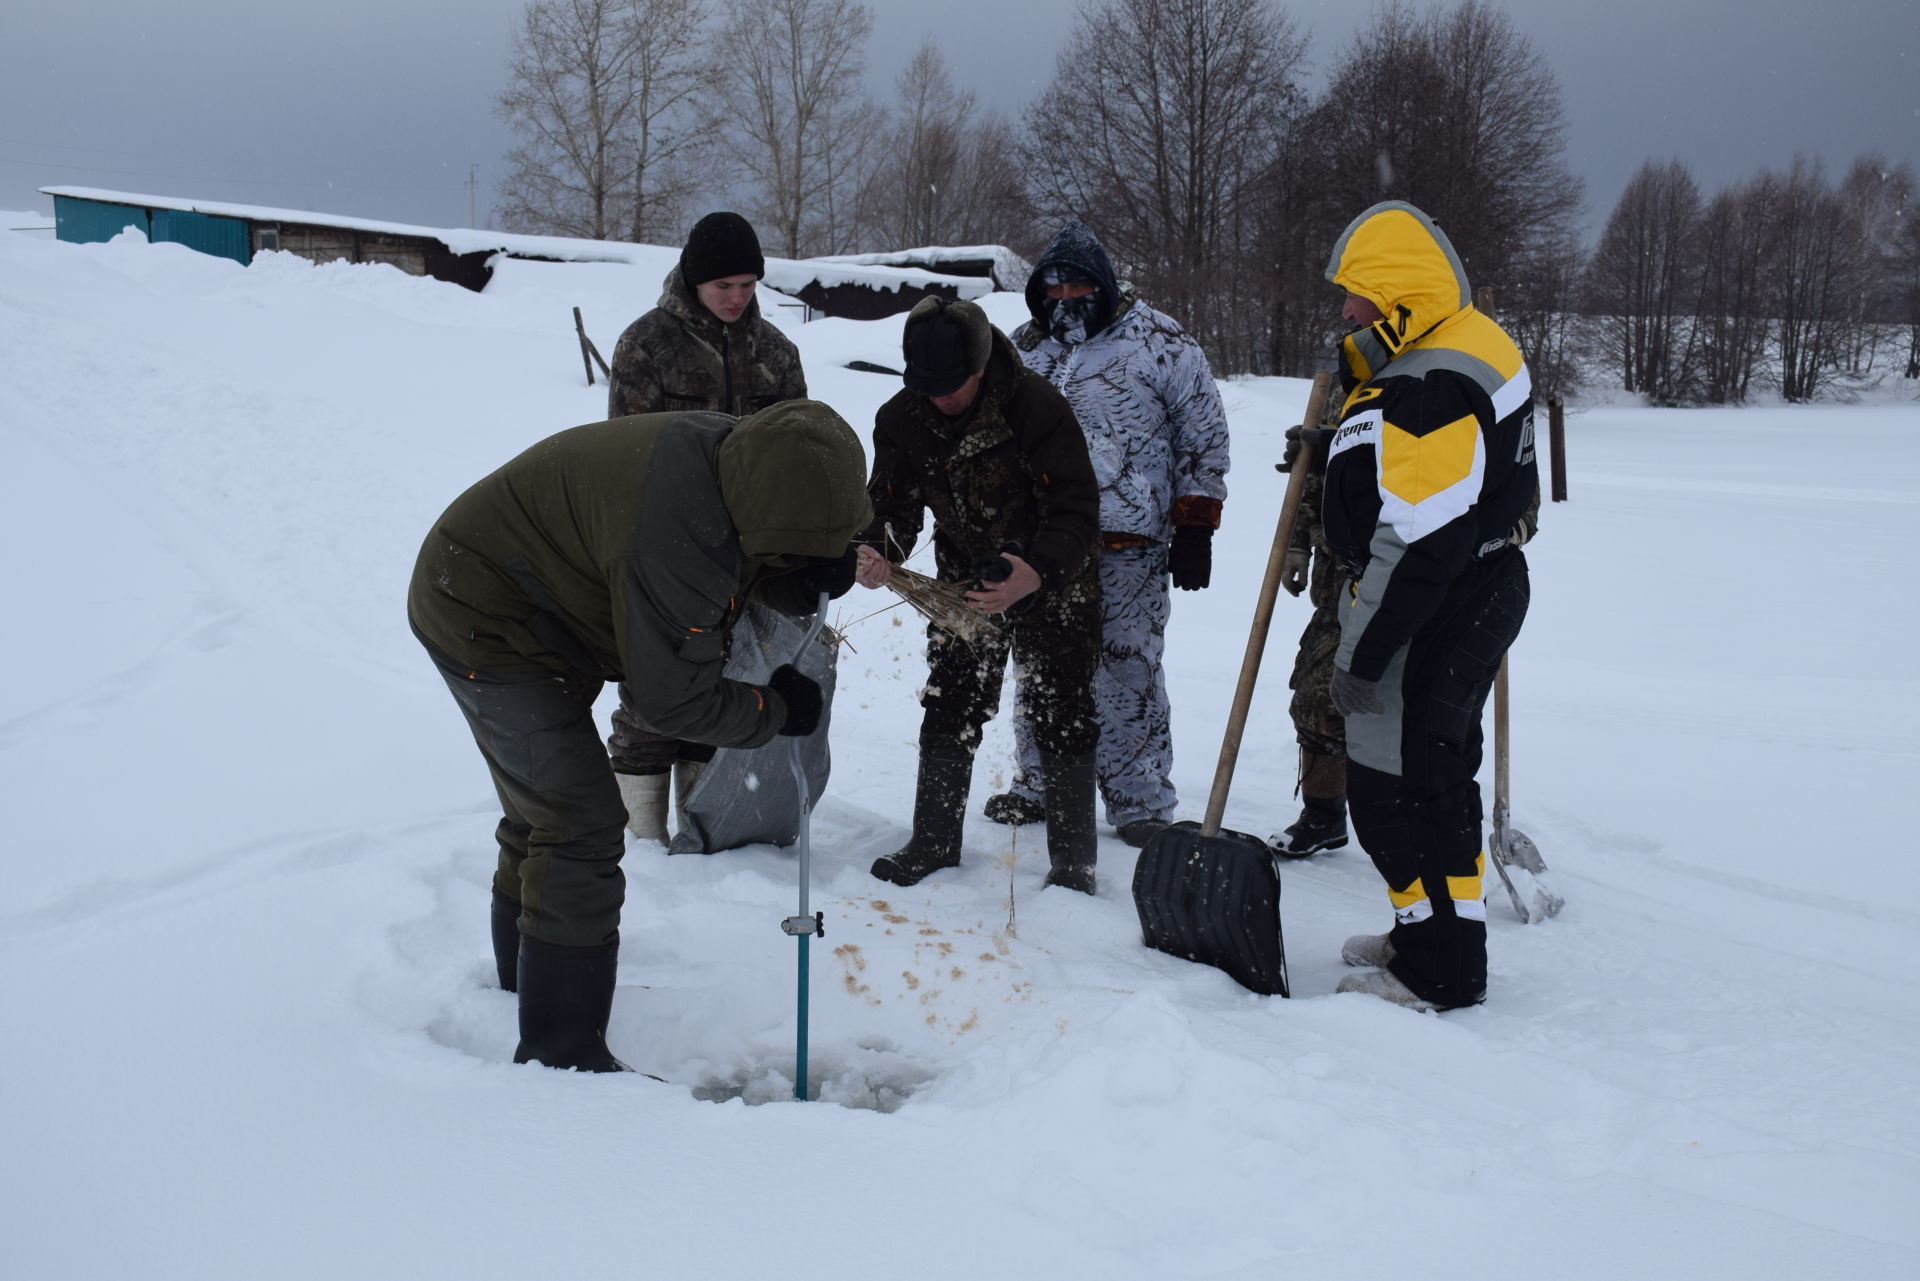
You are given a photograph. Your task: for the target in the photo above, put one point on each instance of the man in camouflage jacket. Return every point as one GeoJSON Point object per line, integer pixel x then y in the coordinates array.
{"type": "Point", "coordinates": [1317, 724]}
{"type": "Point", "coordinates": [705, 346]}
{"type": "Point", "coordinates": [994, 452]}
{"type": "Point", "coordinates": [621, 551]}
{"type": "Point", "coordinates": [1157, 434]}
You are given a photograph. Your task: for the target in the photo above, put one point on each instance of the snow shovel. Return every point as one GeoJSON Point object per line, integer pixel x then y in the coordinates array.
{"type": "Point", "coordinates": [1209, 895]}
{"type": "Point", "coordinates": [804, 925]}
{"type": "Point", "coordinates": [1515, 857]}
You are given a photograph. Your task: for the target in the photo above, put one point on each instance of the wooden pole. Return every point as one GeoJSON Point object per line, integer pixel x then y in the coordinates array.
{"type": "Point", "coordinates": [1263, 610]}
{"type": "Point", "coordinates": [1557, 446]}
{"type": "Point", "coordinates": [589, 354]}
{"type": "Point", "coordinates": [580, 327]}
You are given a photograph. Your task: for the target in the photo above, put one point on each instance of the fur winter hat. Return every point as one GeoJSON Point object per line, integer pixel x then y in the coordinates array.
{"type": "Point", "coordinates": [721, 245]}
{"type": "Point", "coordinates": [945, 342]}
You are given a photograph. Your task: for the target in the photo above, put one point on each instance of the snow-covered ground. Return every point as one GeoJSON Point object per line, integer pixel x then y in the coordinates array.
{"type": "Point", "coordinates": [246, 997]}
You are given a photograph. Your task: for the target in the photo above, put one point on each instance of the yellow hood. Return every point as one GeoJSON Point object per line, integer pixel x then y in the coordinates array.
{"type": "Point", "coordinates": [1396, 258]}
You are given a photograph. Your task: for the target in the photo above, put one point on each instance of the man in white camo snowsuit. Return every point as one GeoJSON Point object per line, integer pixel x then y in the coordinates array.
{"type": "Point", "coordinates": [1157, 434]}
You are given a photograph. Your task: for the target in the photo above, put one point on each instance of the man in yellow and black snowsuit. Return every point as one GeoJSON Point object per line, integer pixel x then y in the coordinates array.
{"type": "Point", "coordinates": [620, 551]}
{"type": "Point", "coordinates": [1428, 475]}
{"type": "Point", "coordinates": [704, 346]}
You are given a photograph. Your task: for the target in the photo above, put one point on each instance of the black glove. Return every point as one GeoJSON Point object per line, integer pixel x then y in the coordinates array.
{"type": "Point", "coordinates": [834, 575]}
{"type": "Point", "coordinates": [1293, 450]}
{"type": "Point", "coordinates": [801, 694]}
{"type": "Point", "coordinates": [1353, 696]}
{"type": "Point", "coordinates": [1319, 436]}
{"type": "Point", "coordinates": [1190, 559]}
{"type": "Point", "coordinates": [997, 568]}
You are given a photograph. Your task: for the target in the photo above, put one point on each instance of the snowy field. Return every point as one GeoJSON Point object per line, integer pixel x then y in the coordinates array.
{"type": "Point", "coordinates": [247, 999]}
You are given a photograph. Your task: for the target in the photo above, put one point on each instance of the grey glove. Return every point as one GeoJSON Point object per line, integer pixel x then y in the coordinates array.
{"type": "Point", "coordinates": [1522, 531]}
{"type": "Point", "coordinates": [1353, 696]}
{"type": "Point", "coordinates": [1293, 574]}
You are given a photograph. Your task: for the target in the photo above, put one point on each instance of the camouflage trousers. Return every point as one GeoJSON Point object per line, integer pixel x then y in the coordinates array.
{"type": "Point", "coordinates": [1134, 757]}
{"type": "Point", "coordinates": [1319, 727]}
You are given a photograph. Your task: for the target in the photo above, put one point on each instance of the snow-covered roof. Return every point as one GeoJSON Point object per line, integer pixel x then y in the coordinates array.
{"type": "Point", "coordinates": [1010, 270]}
{"type": "Point", "coordinates": [787, 275]}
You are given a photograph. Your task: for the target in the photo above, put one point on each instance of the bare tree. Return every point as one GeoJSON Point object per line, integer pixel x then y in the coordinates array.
{"type": "Point", "coordinates": [1458, 113]}
{"type": "Point", "coordinates": [990, 205]}
{"type": "Point", "coordinates": [594, 91]}
{"type": "Point", "coordinates": [914, 183]}
{"type": "Point", "coordinates": [1880, 201]}
{"type": "Point", "coordinates": [1729, 317]}
{"type": "Point", "coordinates": [1542, 313]}
{"type": "Point", "coordinates": [1904, 271]}
{"type": "Point", "coordinates": [1299, 216]}
{"type": "Point", "coordinates": [794, 118]}
{"type": "Point", "coordinates": [1160, 123]}
{"type": "Point", "coordinates": [1644, 277]}
{"type": "Point", "coordinates": [1816, 247]}
{"type": "Point", "coordinates": [668, 144]}
{"type": "Point", "coordinates": [944, 172]}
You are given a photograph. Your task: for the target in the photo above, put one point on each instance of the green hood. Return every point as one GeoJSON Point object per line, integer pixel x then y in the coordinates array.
{"type": "Point", "coordinates": [794, 479]}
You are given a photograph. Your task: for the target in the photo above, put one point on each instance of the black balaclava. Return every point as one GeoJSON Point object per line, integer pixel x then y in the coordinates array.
{"type": "Point", "coordinates": [1072, 320]}
{"type": "Point", "coordinates": [1075, 254]}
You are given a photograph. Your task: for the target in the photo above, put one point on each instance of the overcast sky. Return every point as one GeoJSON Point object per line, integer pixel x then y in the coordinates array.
{"type": "Point", "coordinates": [379, 107]}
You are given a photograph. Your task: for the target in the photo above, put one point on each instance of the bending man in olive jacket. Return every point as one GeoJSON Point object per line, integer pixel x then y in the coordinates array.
{"type": "Point", "coordinates": [996, 454]}
{"type": "Point", "coordinates": [705, 346]}
{"type": "Point", "coordinates": [620, 550]}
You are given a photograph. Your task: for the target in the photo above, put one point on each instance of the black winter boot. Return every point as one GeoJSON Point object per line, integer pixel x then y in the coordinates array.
{"type": "Point", "coordinates": [1072, 845]}
{"type": "Point", "coordinates": [506, 941]}
{"type": "Point", "coordinates": [939, 810]}
{"type": "Point", "coordinates": [566, 997]}
{"type": "Point", "coordinates": [1322, 825]}
{"type": "Point", "coordinates": [1323, 817]}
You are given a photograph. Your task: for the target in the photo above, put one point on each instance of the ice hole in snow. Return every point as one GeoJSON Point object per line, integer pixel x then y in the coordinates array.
{"type": "Point", "coordinates": [874, 1078]}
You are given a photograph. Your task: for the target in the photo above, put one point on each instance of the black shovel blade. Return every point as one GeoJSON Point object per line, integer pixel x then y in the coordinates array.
{"type": "Point", "coordinates": [1215, 900]}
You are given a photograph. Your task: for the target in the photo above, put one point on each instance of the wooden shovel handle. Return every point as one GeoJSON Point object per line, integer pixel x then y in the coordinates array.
{"type": "Point", "coordinates": [1263, 610]}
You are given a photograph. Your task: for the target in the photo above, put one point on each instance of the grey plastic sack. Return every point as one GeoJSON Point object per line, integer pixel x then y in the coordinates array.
{"type": "Point", "coordinates": [747, 796]}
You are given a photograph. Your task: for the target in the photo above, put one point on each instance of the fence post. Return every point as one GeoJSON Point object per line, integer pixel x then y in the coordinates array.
{"type": "Point", "coordinates": [1557, 445]}
{"type": "Point", "coordinates": [589, 354]}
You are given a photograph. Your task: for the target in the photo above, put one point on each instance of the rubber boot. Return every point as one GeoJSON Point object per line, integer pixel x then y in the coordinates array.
{"type": "Point", "coordinates": [645, 796]}
{"type": "Point", "coordinates": [686, 775]}
{"type": "Point", "coordinates": [1072, 844]}
{"type": "Point", "coordinates": [1322, 824]}
{"type": "Point", "coordinates": [566, 998]}
{"type": "Point", "coordinates": [1013, 809]}
{"type": "Point", "coordinates": [939, 810]}
{"type": "Point", "coordinates": [506, 941]}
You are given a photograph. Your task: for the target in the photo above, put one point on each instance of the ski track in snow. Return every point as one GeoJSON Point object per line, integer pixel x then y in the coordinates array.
{"type": "Point", "coordinates": [249, 982]}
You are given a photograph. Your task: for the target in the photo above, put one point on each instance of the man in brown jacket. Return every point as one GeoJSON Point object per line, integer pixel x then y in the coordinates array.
{"type": "Point", "coordinates": [621, 551]}
{"type": "Point", "coordinates": [995, 453]}
{"type": "Point", "coordinates": [705, 346]}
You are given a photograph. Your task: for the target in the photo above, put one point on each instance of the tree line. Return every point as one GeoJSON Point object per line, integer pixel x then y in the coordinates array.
{"type": "Point", "coordinates": [1184, 132]}
{"type": "Point", "coordinates": [1785, 278]}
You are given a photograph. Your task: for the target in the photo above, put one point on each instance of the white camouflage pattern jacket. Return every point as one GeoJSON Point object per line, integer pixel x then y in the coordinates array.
{"type": "Point", "coordinates": [1147, 402]}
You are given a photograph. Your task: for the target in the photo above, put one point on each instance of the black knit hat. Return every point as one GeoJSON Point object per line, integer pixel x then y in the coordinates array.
{"type": "Point", "coordinates": [721, 245]}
